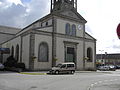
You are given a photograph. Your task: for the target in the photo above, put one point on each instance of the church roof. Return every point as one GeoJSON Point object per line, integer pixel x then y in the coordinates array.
{"type": "Point", "coordinates": [88, 36]}
{"type": "Point", "coordinates": [9, 30]}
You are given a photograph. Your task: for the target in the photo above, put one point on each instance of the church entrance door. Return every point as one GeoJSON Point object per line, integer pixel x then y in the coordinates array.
{"type": "Point", "coordinates": [70, 54]}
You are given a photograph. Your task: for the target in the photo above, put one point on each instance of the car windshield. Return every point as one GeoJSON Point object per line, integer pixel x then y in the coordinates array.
{"type": "Point", "coordinates": [59, 65]}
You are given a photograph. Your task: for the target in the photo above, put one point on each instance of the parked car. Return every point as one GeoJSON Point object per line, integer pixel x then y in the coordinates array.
{"type": "Point", "coordinates": [107, 68]}
{"type": "Point", "coordinates": [1, 66]}
{"type": "Point", "coordinates": [103, 68]}
{"type": "Point", "coordinates": [63, 68]}
{"type": "Point", "coordinates": [112, 67]}
{"type": "Point", "coordinates": [117, 66]}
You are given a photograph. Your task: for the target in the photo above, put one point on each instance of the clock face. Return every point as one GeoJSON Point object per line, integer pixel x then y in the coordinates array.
{"type": "Point", "coordinates": [80, 27]}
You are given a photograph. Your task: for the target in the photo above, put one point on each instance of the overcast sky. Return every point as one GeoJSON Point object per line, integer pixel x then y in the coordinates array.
{"type": "Point", "coordinates": [102, 17]}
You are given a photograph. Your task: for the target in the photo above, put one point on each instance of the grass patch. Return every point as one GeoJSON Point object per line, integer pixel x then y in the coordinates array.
{"type": "Point", "coordinates": [33, 73]}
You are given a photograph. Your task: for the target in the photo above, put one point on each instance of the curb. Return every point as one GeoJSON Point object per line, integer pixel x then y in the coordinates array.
{"type": "Point", "coordinates": [27, 73]}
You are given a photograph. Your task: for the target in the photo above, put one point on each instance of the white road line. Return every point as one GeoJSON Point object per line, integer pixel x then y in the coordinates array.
{"type": "Point", "coordinates": [99, 82]}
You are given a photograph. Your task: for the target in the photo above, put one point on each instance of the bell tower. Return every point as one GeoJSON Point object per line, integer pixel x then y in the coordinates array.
{"type": "Point", "coordinates": [57, 5]}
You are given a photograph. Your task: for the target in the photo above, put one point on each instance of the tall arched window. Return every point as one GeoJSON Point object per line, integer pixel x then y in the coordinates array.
{"type": "Point", "coordinates": [12, 51]}
{"type": "Point", "coordinates": [67, 29]}
{"type": "Point", "coordinates": [43, 52]}
{"type": "Point", "coordinates": [73, 33]}
{"type": "Point", "coordinates": [17, 53]}
{"type": "Point", "coordinates": [89, 55]}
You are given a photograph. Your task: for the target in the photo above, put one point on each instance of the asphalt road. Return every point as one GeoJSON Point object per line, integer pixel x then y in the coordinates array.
{"type": "Point", "coordinates": [78, 81]}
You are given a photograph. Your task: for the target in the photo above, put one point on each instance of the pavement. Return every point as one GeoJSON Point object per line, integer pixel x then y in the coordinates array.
{"type": "Point", "coordinates": [81, 80]}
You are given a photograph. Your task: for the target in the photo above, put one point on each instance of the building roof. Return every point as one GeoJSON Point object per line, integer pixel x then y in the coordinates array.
{"type": "Point", "coordinates": [9, 30]}
{"type": "Point", "coordinates": [108, 56]}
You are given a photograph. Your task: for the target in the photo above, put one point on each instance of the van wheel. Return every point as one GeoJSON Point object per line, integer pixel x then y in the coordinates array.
{"type": "Point", "coordinates": [56, 72]}
{"type": "Point", "coordinates": [72, 72]}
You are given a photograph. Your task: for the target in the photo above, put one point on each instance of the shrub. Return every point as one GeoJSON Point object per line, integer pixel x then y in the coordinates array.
{"type": "Point", "coordinates": [20, 65]}
{"type": "Point", "coordinates": [13, 65]}
{"type": "Point", "coordinates": [10, 62]}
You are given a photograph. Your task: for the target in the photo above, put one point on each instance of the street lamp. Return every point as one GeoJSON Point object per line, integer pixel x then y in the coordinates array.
{"type": "Point", "coordinates": [101, 55]}
{"type": "Point", "coordinates": [105, 57]}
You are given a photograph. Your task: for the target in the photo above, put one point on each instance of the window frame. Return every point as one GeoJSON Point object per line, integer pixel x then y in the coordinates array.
{"type": "Point", "coordinates": [90, 54]}
{"type": "Point", "coordinates": [12, 51]}
{"type": "Point", "coordinates": [73, 31]}
{"type": "Point", "coordinates": [17, 52]}
{"type": "Point", "coordinates": [47, 52]}
{"type": "Point", "coordinates": [67, 29]}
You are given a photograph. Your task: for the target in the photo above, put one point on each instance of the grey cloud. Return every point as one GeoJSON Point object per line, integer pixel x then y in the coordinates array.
{"type": "Point", "coordinates": [113, 46]}
{"type": "Point", "coordinates": [88, 29]}
{"type": "Point", "coordinates": [3, 1]}
{"type": "Point", "coordinates": [17, 15]}
{"type": "Point", "coordinates": [116, 46]}
{"type": "Point", "coordinates": [38, 8]}
{"type": "Point", "coordinates": [8, 16]}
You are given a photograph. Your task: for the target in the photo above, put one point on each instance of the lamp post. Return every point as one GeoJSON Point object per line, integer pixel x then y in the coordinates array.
{"type": "Point", "coordinates": [101, 56]}
{"type": "Point", "coordinates": [105, 57]}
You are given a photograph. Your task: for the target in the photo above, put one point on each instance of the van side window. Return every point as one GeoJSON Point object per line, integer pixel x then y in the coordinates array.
{"type": "Point", "coordinates": [70, 65]}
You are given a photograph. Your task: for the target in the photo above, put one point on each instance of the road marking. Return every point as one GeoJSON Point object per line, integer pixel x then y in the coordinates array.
{"type": "Point", "coordinates": [99, 82]}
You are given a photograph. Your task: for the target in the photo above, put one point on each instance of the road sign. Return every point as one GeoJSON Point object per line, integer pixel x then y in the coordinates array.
{"type": "Point", "coordinates": [118, 31]}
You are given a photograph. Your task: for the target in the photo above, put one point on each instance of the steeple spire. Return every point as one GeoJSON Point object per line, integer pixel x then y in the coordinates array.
{"type": "Point", "coordinates": [57, 5]}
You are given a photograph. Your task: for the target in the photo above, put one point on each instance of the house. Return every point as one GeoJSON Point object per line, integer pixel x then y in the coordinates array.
{"type": "Point", "coordinates": [108, 59]}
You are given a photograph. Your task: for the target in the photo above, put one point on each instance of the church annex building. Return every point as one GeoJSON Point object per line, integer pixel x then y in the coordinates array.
{"type": "Point", "coordinates": [56, 38]}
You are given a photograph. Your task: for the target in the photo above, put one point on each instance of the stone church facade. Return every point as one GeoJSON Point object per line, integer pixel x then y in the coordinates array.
{"type": "Point", "coordinates": [56, 38]}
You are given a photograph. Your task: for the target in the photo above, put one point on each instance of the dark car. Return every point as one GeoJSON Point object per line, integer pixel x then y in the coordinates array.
{"type": "Point", "coordinates": [117, 66]}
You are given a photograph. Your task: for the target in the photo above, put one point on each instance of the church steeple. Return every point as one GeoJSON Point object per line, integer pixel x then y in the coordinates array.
{"type": "Point", "coordinates": [57, 5]}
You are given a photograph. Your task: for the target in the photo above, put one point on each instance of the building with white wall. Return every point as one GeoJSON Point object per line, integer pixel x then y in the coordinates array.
{"type": "Point", "coordinates": [56, 38]}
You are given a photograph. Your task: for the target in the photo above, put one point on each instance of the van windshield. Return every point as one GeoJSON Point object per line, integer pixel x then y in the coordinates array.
{"type": "Point", "coordinates": [59, 65]}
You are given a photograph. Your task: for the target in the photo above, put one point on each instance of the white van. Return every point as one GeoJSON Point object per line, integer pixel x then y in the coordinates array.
{"type": "Point", "coordinates": [63, 68]}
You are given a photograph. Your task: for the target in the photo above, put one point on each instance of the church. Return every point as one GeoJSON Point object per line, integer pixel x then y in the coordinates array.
{"type": "Point", "coordinates": [55, 38]}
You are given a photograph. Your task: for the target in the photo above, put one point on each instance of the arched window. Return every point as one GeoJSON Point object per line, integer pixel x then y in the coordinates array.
{"type": "Point", "coordinates": [46, 23]}
{"type": "Point", "coordinates": [73, 33]}
{"type": "Point", "coordinates": [17, 53]}
{"type": "Point", "coordinates": [43, 52]}
{"type": "Point", "coordinates": [89, 55]}
{"type": "Point", "coordinates": [67, 29]}
{"type": "Point", "coordinates": [12, 51]}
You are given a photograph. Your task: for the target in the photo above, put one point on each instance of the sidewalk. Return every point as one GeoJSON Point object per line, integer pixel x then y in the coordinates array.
{"type": "Point", "coordinates": [45, 72]}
